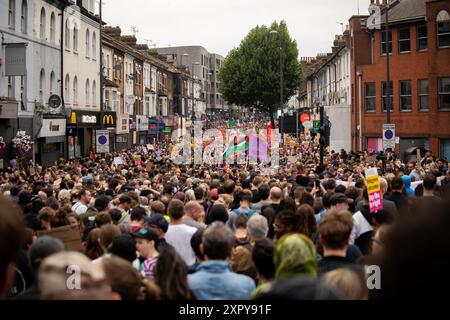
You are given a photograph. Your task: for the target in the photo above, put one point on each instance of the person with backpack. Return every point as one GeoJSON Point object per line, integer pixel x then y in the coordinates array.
{"type": "Point", "coordinates": [244, 209]}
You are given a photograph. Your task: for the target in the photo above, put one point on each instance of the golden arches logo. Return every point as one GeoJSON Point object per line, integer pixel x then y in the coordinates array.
{"type": "Point", "coordinates": [108, 119]}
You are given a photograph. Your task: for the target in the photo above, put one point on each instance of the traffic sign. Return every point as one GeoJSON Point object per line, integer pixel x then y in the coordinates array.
{"type": "Point", "coordinates": [316, 126]}
{"type": "Point", "coordinates": [102, 141]}
{"type": "Point", "coordinates": [305, 117]}
{"type": "Point", "coordinates": [388, 136]}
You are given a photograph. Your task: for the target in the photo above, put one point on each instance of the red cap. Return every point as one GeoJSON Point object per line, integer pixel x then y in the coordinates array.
{"type": "Point", "coordinates": [214, 194]}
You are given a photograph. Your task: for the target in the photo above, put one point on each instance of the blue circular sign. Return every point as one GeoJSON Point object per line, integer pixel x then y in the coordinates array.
{"type": "Point", "coordinates": [388, 134]}
{"type": "Point", "coordinates": [102, 140]}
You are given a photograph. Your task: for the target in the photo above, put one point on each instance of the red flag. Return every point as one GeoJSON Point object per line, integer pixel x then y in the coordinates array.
{"type": "Point", "coordinates": [269, 132]}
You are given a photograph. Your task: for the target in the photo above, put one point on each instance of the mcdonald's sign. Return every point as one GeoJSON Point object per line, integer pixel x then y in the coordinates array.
{"type": "Point", "coordinates": [109, 120]}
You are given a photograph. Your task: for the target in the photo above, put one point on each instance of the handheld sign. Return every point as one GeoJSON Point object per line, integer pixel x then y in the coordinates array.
{"type": "Point", "coordinates": [374, 190]}
{"type": "Point", "coordinates": [137, 160]}
{"type": "Point", "coordinates": [118, 160]}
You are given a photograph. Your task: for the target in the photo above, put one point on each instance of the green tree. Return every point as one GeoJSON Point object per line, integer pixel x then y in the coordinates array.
{"type": "Point", "coordinates": [250, 75]}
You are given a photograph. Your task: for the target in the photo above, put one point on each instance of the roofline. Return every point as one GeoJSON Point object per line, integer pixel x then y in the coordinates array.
{"type": "Point", "coordinates": [334, 55]}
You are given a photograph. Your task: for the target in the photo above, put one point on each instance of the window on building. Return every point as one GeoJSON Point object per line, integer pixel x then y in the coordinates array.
{"type": "Point", "coordinates": [94, 93]}
{"type": "Point", "coordinates": [23, 100]}
{"type": "Point", "coordinates": [405, 95]}
{"type": "Point", "coordinates": [52, 83]}
{"type": "Point", "coordinates": [443, 29]}
{"type": "Point", "coordinates": [11, 91]}
{"type": "Point", "coordinates": [94, 46]}
{"type": "Point", "coordinates": [75, 38]}
{"type": "Point", "coordinates": [42, 24]}
{"type": "Point", "coordinates": [108, 67]}
{"type": "Point", "coordinates": [67, 34]}
{"type": "Point", "coordinates": [115, 101]}
{"type": "Point", "coordinates": [422, 37]}
{"type": "Point", "coordinates": [75, 90]}
{"type": "Point", "coordinates": [385, 95]}
{"type": "Point", "coordinates": [444, 93]}
{"type": "Point", "coordinates": [147, 106]}
{"type": "Point", "coordinates": [107, 103]}
{"type": "Point", "coordinates": [88, 43]}
{"type": "Point", "coordinates": [66, 88]}
{"type": "Point", "coordinates": [404, 40]}
{"type": "Point", "coordinates": [91, 6]}
{"type": "Point", "coordinates": [87, 93]}
{"type": "Point", "coordinates": [41, 86]}
{"type": "Point", "coordinates": [370, 96]}
{"type": "Point", "coordinates": [386, 43]}
{"type": "Point", "coordinates": [24, 17]}
{"type": "Point", "coordinates": [12, 14]}
{"type": "Point", "coordinates": [52, 27]}
{"type": "Point", "coordinates": [424, 96]}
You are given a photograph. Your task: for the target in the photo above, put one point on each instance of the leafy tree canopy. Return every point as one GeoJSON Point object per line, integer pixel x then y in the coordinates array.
{"type": "Point", "coordinates": [250, 75]}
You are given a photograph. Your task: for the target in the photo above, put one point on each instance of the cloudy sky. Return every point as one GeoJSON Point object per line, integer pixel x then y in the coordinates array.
{"type": "Point", "coordinates": [220, 26]}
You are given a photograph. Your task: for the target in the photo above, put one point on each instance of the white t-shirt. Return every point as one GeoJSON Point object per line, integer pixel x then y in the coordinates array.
{"type": "Point", "coordinates": [79, 208]}
{"type": "Point", "coordinates": [179, 236]}
{"type": "Point", "coordinates": [360, 226]}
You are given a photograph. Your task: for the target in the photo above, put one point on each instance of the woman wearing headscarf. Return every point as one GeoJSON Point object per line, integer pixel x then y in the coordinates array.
{"type": "Point", "coordinates": [294, 256]}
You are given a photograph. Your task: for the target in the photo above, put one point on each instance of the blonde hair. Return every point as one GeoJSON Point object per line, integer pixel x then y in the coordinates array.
{"type": "Point", "coordinates": [347, 282]}
{"type": "Point", "coordinates": [227, 198]}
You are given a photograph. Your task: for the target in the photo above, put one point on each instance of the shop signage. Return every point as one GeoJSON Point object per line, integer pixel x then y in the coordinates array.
{"type": "Point", "coordinates": [109, 119]}
{"type": "Point", "coordinates": [8, 110]}
{"type": "Point", "coordinates": [141, 123]}
{"type": "Point", "coordinates": [52, 128]}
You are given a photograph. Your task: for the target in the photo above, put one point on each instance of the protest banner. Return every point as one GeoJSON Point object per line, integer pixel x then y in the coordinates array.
{"type": "Point", "coordinates": [137, 160]}
{"type": "Point", "coordinates": [374, 190]}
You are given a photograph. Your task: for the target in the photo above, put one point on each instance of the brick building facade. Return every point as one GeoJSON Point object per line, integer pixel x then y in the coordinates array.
{"type": "Point", "coordinates": [420, 77]}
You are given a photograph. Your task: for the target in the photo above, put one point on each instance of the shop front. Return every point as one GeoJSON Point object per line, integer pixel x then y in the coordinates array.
{"type": "Point", "coordinates": [141, 129]}
{"type": "Point", "coordinates": [445, 149]}
{"type": "Point", "coordinates": [155, 128]}
{"type": "Point", "coordinates": [374, 144]}
{"type": "Point", "coordinates": [170, 125]}
{"type": "Point", "coordinates": [8, 126]}
{"type": "Point", "coordinates": [109, 121]}
{"type": "Point", "coordinates": [51, 141]}
{"type": "Point", "coordinates": [122, 141]}
{"type": "Point", "coordinates": [81, 133]}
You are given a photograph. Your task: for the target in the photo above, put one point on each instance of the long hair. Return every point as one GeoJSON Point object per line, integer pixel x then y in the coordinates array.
{"type": "Point", "coordinates": [171, 276]}
{"type": "Point", "coordinates": [92, 247]}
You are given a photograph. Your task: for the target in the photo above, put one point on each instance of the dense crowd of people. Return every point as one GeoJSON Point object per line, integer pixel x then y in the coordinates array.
{"type": "Point", "coordinates": [156, 230]}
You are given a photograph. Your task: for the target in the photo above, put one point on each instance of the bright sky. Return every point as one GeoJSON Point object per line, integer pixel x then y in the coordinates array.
{"type": "Point", "coordinates": [219, 26]}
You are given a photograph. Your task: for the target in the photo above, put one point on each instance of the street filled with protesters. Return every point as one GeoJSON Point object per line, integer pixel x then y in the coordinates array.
{"type": "Point", "coordinates": [133, 225]}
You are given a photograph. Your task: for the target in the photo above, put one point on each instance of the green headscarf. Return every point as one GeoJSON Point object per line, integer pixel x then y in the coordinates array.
{"type": "Point", "coordinates": [295, 255]}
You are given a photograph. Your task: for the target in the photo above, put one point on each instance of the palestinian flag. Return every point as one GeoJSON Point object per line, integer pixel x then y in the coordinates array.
{"type": "Point", "coordinates": [238, 145]}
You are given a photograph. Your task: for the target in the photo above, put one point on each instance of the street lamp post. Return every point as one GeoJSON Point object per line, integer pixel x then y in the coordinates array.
{"type": "Point", "coordinates": [193, 97]}
{"type": "Point", "coordinates": [388, 75]}
{"type": "Point", "coordinates": [182, 109]}
{"type": "Point", "coordinates": [101, 67]}
{"type": "Point", "coordinates": [281, 82]}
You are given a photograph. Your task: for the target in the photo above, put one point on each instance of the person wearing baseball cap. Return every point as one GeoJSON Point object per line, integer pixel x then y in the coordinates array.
{"type": "Point", "coordinates": [160, 225]}
{"type": "Point", "coordinates": [147, 242]}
